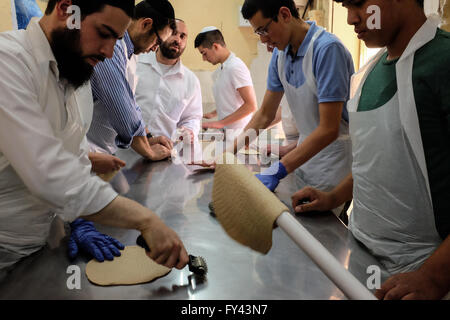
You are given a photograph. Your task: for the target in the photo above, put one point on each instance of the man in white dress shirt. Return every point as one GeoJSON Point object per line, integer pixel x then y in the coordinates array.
{"type": "Point", "coordinates": [45, 112]}
{"type": "Point", "coordinates": [233, 90]}
{"type": "Point", "coordinates": [168, 93]}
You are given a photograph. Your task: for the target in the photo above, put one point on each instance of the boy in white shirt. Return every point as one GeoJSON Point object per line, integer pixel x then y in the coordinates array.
{"type": "Point", "coordinates": [233, 87]}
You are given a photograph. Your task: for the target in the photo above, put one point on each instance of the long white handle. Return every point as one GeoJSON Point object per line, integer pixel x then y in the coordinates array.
{"type": "Point", "coordinates": [343, 279]}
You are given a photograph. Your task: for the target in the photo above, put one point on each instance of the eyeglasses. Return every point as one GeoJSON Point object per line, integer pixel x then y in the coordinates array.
{"type": "Point", "coordinates": [264, 30]}
{"type": "Point", "coordinates": [158, 39]}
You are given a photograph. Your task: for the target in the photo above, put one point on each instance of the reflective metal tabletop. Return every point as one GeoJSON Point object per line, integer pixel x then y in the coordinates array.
{"type": "Point", "coordinates": [181, 197]}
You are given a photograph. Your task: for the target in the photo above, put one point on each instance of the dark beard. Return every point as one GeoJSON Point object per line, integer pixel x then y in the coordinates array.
{"type": "Point", "coordinates": [168, 53]}
{"type": "Point", "coordinates": [66, 47]}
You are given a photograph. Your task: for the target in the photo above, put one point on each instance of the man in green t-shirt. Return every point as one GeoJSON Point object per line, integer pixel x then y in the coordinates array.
{"type": "Point", "coordinates": [400, 130]}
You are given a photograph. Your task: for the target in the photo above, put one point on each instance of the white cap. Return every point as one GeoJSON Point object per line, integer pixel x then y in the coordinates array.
{"type": "Point", "coordinates": [208, 29]}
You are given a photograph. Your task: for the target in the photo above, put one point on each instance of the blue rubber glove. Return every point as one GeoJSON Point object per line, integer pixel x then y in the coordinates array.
{"type": "Point", "coordinates": [271, 176]}
{"type": "Point", "coordinates": [85, 237]}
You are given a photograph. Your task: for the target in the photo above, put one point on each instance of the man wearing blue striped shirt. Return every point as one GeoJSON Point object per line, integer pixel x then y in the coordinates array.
{"type": "Point", "coordinates": [117, 120]}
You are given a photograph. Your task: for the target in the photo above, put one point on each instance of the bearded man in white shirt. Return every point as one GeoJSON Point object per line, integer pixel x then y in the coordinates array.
{"type": "Point", "coordinates": [168, 93]}
{"type": "Point", "coordinates": [45, 111]}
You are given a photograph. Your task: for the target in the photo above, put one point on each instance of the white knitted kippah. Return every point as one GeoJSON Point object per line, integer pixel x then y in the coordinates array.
{"type": "Point", "coordinates": [208, 29]}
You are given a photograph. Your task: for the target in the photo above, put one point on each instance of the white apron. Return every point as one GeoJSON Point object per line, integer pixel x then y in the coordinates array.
{"type": "Point", "coordinates": [288, 124]}
{"type": "Point", "coordinates": [32, 216]}
{"type": "Point", "coordinates": [331, 165]}
{"type": "Point", "coordinates": [392, 207]}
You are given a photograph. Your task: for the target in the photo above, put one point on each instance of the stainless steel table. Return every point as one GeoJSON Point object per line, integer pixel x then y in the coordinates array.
{"type": "Point", "coordinates": [181, 197]}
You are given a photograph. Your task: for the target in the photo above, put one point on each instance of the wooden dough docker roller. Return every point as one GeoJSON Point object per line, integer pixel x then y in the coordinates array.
{"type": "Point", "coordinates": [196, 265]}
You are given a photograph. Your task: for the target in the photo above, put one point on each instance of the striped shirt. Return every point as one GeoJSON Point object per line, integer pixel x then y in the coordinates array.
{"type": "Point", "coordinates": [117, 117]}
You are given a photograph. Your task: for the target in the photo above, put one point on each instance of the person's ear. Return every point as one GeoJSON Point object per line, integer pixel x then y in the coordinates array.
{"type": "Point", "coordinates": [285, 14]}
{"type": "Point", "coordinates": [146, 24]}
{"type": "Point", "coordinates": [61, 9]}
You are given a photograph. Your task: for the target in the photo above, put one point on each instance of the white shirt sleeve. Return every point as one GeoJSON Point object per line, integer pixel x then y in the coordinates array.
{"type": "Point", "coordinates": [55, 176]}
{"type": "Point", "coordinates": [240, 76]}
{"type": "Point", "coordinates": [193, 112]}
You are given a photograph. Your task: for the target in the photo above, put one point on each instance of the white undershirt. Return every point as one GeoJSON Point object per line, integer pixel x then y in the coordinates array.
{"type": "Point", "coordinates": [165, 67]}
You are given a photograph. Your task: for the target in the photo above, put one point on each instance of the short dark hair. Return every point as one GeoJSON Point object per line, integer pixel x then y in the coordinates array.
{"type": "Point", "coordinates": [269, 8]}
{"type": "Point", "coordinates": [160, 11]}
{"type": "Point", "coordinates": [207, 39]}
{"type": "Point", "coordinates": [419, 2]}
{"type": "Point", "coordinates": [89, 7]}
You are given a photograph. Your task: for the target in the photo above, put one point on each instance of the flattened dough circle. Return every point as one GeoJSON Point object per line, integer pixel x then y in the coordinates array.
{"type": "Point", "coordinates": [132, 267]}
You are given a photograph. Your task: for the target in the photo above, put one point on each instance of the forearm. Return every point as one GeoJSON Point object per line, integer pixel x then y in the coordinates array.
{"type": "Point", "coordinates": [123, 213]}
{"type": "Point", "coordinates": [241, 113]}
{"type": "Point", "coordinates": [318, 140]}
{"type": "Point", "coordinates": [258, 122]}
{"type": "Point", "coordinates": [276, 120]}
{"type": "Point", "coordinates": [343, 192]}
{"type": "Point", "coordinates": [438, 265]}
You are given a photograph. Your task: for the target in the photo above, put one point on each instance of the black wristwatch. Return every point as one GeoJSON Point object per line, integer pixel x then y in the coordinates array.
{"type": "Point", "coordinates": [149, 135]}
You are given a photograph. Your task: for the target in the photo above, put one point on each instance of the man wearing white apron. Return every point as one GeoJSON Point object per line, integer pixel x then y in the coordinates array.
{"type": "Point", "coordinates": [117, 120]}
{"type": "Point", "coordinates": [313, 69]}
{"type": "Point", "coordinates": [399, 125]}
{"type": "Point", "coordinates": [45, 111]}
{"type": "Point", "coordinates": [284, 115]}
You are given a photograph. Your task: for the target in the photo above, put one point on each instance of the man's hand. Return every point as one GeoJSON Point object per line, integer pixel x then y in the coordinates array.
{"type": "Point", "coordinates": [84, 236]}
{"type": "Point", "coordinates": [211, 164]}
{"type": "Point", "coordinates": [271, 177]}
{"type": "Point", "coordinates": [105, 163]}
{"type": "Point", "coordinates": [159, 152]}
{"type": "Point", "coordinates": [212, 125]}
{"type": "Point", "coordinates": [318, 200]}
{"type": "Point", "coordinates": [166, 142]}
{"type": "Point", "coordinates": [416, 285]}
{"type": "Point", "coordinates": [165, 246]}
